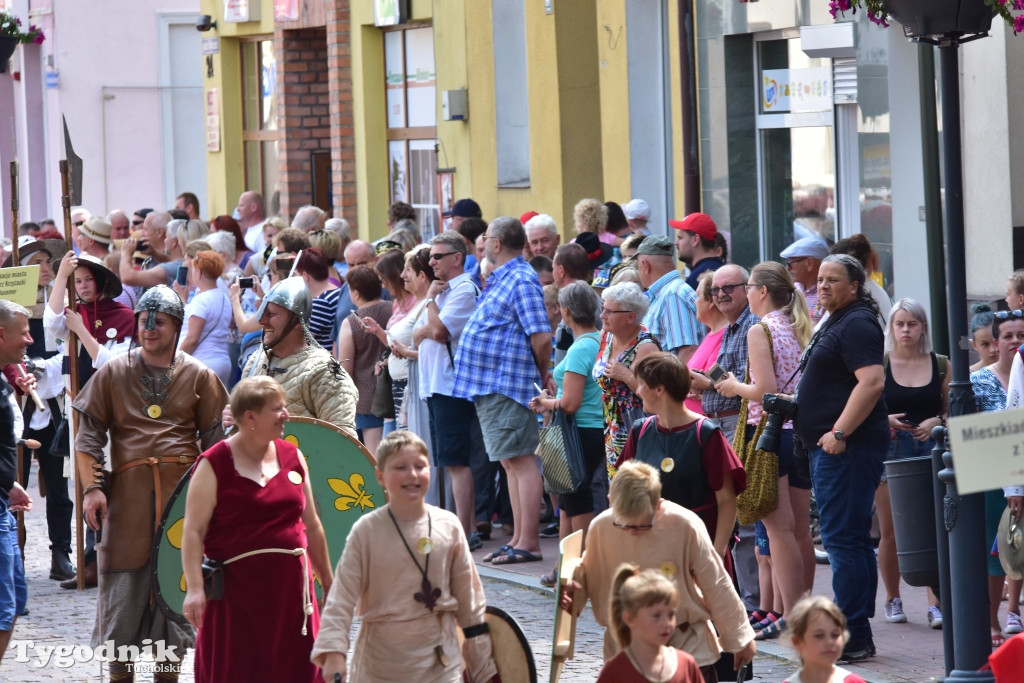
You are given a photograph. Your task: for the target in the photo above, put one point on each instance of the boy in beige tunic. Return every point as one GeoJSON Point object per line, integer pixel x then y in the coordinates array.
{"type": "Point", "coordinates": [408, 574]}
{"type": "Point", "coordinates": [643, 529]}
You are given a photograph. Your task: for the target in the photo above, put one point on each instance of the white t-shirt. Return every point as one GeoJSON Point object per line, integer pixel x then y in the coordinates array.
{"type": "Point", "coordinates": [455, 305]}
{"type": "Point", "coordinates": [214, 308]}
{"type": "Point", "coordinates": [402, 332]}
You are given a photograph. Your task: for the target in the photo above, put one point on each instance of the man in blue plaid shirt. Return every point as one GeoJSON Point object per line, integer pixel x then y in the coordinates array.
{"type": "Point", "coordinates": [504, 350]}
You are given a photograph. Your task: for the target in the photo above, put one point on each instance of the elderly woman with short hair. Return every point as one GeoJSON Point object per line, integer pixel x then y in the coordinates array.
{"type": "Point", "coordinates": [624, 342]}
{"type": "Point", "coordinates": [580, 396]}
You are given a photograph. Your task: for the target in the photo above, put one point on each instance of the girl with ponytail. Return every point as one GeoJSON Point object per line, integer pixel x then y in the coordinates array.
{"type": "Point", "coordinates": [643, 618]}
{"type": "Point", "coordinates": [774, 347]}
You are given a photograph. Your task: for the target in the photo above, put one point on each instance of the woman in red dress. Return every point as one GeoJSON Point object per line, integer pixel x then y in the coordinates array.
{"type": "Point", "coordinates": [250, 506]}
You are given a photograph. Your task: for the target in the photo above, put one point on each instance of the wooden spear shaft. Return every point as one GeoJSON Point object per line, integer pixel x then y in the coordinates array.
{"type": "Point", "coordinates": [65, 201]}
{"type": "Point", "coordinates": [15, 252]}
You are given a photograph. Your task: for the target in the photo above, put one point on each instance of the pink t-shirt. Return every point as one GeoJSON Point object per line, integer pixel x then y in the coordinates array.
{"type": "Point", "coordinates": [702, 359]}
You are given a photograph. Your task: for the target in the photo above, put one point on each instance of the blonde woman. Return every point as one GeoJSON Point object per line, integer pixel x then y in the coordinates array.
{"type": "Point", "coordinates": [590, 215]}
{"type": "Point", "coordinates": [774, 348]}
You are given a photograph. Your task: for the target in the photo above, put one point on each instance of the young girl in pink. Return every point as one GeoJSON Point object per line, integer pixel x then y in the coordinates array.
{"type": "Point", "coordinates": [818, 630]}
{"type": "Point", "coordinates": [643, 618]}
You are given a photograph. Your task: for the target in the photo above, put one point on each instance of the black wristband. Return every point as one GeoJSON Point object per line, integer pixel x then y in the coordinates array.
{"type": "Point", "coordinates": [478, 630]}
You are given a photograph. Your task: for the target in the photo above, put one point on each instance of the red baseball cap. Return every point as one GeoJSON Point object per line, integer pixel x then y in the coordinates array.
{"type": "Point", "coordinates": [699, 224]}
{"type": "Point", "coordinates": [527, 216]}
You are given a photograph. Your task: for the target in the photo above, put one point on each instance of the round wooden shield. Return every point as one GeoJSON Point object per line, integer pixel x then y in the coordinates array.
{"type": "Point", "coordinates": [345, 487]}
{"type": "Point", "coordinates": [510, 648]}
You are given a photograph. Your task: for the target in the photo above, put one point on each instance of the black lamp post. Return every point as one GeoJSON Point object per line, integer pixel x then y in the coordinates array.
{"type": "Point", "coordinates": [947, 24]}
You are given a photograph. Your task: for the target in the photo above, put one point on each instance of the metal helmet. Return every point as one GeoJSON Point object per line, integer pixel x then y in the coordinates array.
{"type": "Point", "coordinates": [292, 294]}
{"type": "Point", "coordinates": [160, 299]}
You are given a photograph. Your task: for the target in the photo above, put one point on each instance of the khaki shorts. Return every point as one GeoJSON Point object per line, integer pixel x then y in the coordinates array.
{"type": "Point", "coordinates": [509, 428]}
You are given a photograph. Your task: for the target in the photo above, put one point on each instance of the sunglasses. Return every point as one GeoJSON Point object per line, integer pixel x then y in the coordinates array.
{"type": "Point", "coordinates": [438, 257]}
{"type": "Point", "coordinates": [634, 527]}
{"type": "Point", "coordinates": [727, 289]}
{"type": "Point", "coordinates": [1006, 315]}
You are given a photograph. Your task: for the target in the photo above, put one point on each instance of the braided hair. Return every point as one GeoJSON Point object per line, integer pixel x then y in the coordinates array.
{"type": "Point", "coordinates": [855, 273]}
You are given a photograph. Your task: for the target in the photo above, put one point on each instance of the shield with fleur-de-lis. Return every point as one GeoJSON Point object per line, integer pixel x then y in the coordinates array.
{"type": "Point", "coordinates": [345, 487]}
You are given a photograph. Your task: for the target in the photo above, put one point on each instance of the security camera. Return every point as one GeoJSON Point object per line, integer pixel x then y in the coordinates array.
{"type": "Point", "coordinates": [205, 22]}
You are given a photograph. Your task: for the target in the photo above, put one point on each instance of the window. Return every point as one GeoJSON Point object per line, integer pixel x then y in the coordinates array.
{"type": "Point", "coordinates": [259, 119]}
{"type": "Point", "coordinates": [511, 101]}
{"type": "Point", "coordinates": [411, 91]}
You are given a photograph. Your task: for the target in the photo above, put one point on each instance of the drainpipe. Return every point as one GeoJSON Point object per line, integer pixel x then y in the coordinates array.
{"type": "Point", "coordinates": [688, 97]}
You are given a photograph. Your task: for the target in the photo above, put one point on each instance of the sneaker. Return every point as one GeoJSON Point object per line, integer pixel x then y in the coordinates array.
{"type": "Point", "coordinates": [550, 531]}
{"type": "Point", "coordinates": [857, 652]}
{"type": "Point", "coordinates": [934, 617]}
{"type": "Point", "coordinates": [475, 542]}
{"type": "Point", "coordinates": [1013, 623]}
{"type": "Point", "coordinates": [894, 612]}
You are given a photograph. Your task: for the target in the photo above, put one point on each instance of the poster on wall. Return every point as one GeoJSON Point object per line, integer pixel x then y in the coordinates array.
{"type": "Point", "coordinates": [286, 10]}
{"type": "Point", "coordinates": [212, 120]}
{"type": "Point", "coordinates": [445, 195]}
{"type": "Point", "coordinates": [796, 90]}
{"type": "Point", "coordinates": [238, 11]}
{"type": "Point", "coordinates": [390, 12]}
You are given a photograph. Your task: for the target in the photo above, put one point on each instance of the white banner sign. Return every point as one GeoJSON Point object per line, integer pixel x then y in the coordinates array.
{"type": "Point", "coordinates": [988, 450]}
{"type": "Point", "coordinates": [796, 90]}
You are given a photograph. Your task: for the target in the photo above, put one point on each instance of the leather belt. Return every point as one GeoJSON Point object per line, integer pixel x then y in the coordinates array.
{"type": "Point", "coordinates": [722, 413]}
{"type": "Point", "coordinates": [155, 463]}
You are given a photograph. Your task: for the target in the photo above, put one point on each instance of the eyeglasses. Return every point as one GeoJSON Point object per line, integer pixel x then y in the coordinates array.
{"type": "Point", "coordinates": [1006, 315]}
{"type": "Point", "coordinates": [634, 527]}
{"type": "Point", "coordinates": [794, 261]}
{"type": "Point", "coordinates": [610, 311]}
{"type": "Point", "coordinates": [727, 289]}
{"type": "Point", "coordinates": [438, 257]}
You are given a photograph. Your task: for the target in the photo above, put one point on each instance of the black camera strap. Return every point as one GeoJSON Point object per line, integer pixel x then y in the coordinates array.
{"type": "Point", "coordinates": [806, 355]}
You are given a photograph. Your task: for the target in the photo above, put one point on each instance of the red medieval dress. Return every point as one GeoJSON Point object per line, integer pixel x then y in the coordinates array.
{"type": "Point", "coordinates": [254, 633]}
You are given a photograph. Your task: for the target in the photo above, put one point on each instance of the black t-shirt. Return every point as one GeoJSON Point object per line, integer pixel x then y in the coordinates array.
{"type": "Point", "coordinates": [8, 440]}
{"type": "Point", "coordinates": [852, 340]}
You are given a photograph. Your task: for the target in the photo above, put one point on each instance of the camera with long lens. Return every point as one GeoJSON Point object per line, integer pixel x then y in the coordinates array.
{"type": "Point", "coordinates": [779, 410]}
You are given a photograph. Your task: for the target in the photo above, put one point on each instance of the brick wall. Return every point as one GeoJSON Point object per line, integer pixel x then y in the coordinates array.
{"type": "Point", "coordinates": [304, 111]}
{"type": "Point", "coordinates": [343, 150]}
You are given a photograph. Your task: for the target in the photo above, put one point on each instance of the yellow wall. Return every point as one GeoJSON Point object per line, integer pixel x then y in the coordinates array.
{"type": "Point", "coordinates": [225, 171]}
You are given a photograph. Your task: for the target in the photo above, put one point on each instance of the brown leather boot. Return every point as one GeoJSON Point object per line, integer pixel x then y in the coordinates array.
{"type": "Point", "coordinates": [89, 572]}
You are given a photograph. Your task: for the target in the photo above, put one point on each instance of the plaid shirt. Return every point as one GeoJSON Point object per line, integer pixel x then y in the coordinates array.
{"type": "Point", "coordinates": [672, 316]}
{"type": "Point", "coordinates": [495, 355]}
{"type": "Point", "coordinates": [733, 357]}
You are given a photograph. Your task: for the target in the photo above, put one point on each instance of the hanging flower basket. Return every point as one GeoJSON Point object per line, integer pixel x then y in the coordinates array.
{"type": "Point", "coordinates": [922, 18]}
{"type": "Point", "coordinates": [7, 45]}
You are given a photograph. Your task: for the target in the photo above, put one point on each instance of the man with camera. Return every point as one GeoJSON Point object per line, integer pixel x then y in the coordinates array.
{"type": "Point", "coordinates": [842, 421]}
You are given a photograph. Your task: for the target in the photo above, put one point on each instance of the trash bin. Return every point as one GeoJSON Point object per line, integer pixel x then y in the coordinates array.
{"type": "Point", "coordinates": [913, 518]}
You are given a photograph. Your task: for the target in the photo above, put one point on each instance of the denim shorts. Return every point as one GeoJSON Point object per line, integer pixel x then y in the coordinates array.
{"type": "Point", "coordinates": [13, 588]}
{"type": "Point", "coordinates": [368, 421]}
{"type": "Point", "coordinates": [904, 445]}
{"type": "Point", "coordinates": [509, 428]}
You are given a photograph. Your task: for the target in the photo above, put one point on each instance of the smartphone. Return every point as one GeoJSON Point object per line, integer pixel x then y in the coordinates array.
{"type": "Point", "coordinates": [245, 283]}
{"type": "Point", "coordinates": [743, 674]}
{"type": "Point", "coordinates": [908, 422]}
{"type": "Point", "coordinates": [716, 373]}
{"type": "Point", "coordinates": [142, 246]}
{"type": "Point", "coordinates": [182, 276]}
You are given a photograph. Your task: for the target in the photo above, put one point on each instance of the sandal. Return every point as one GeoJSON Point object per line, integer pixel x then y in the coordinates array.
{"type": "Point", "coordinates": [497, 553]}
{"type": "Point", "coordinates": [549, 580]}
{"type": "Point", "coordinates": [997, 639]}
{"type": "Point", "coordinates": [771, 631]}
{"type": "Point", "coordinates": [517, 556]}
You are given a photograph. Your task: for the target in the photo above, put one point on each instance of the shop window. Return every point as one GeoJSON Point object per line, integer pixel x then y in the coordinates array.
{"type": "Point", "coordinates": [259, 119]}
{"type": "Point", "coordinates": [411, 89]}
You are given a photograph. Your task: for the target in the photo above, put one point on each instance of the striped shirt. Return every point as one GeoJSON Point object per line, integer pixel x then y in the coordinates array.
{"type": "Point", "coordinates": [322, 316]}
{"type": "Point", "coordinates": [494, 354]}
{"type": "Point", "coordinates": [672, 316]}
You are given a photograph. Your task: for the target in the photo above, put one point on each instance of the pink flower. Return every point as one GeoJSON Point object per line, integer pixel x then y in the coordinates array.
{"type": "Point", "coordinates": [878, 19]}
{"type": "Point", "coordinates": [1018, 24]}
{"type": "Point", "coordinates": [40, 37]}
{"type": "Point", "coordinates": [1017, 4]}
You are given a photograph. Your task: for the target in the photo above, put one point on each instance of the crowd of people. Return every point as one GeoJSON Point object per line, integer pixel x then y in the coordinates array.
{"type": "Point", "coordinates": [446, 359]}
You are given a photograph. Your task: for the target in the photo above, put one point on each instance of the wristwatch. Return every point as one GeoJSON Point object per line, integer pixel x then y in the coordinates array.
{"type": "Point", "coordinates": [838, 435]}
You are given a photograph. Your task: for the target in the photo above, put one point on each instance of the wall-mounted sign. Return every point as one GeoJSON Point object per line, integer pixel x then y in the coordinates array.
{"type": "Point", "coordinates": [796, 90]}
{"type": "Point", "coordinates": [52, 79]}
{"type": "Point", "coordinates": [390, 12]}
{"type": "Point", "coordinates": [240, 10]}
{"type": "Point", "coordinates": [212, 120]}
{"type": "Point", "coordinates": [286, 10]}
{"type": "Point", "coordinates": [211, 46]}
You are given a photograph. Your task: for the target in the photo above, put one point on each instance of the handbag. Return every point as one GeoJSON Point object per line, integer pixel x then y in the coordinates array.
{"type": "Point", "coordinates": [384, 400]}
{"type": "Point", "coordinates": [213, 579]}
{"type": "Point", "coordinates": [761, 496]}
{"type": "Point", "coordinates": [561, 455]}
